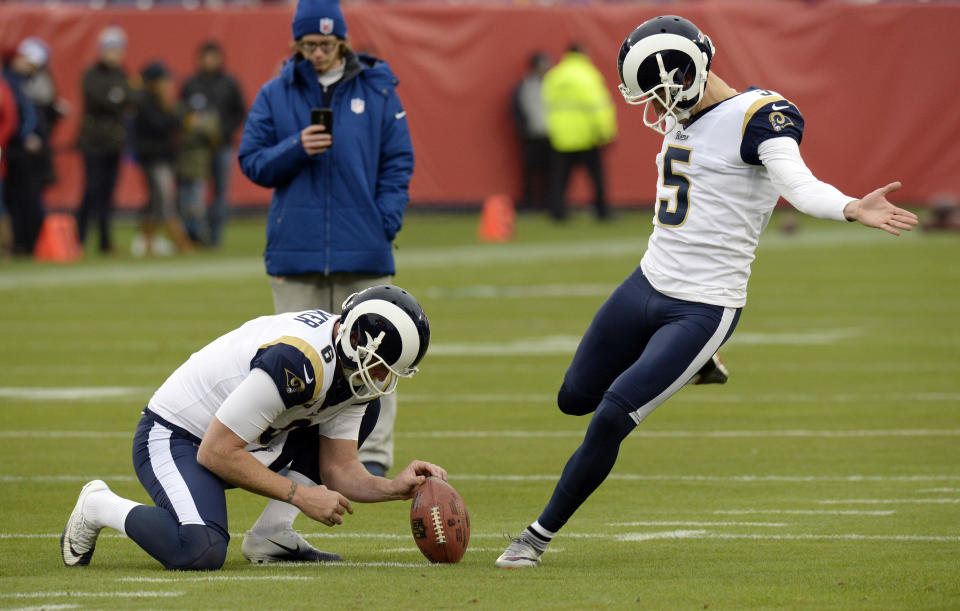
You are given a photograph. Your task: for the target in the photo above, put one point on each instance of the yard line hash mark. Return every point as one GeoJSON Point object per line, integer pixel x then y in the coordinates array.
{"type": "Point", "coordinates": [805, 512]}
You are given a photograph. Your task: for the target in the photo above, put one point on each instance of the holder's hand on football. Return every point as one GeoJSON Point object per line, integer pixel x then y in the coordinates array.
{"type": "Point", "coordinates": [406, 482]}
{"type": "Point", "coordinates": [322, 504]}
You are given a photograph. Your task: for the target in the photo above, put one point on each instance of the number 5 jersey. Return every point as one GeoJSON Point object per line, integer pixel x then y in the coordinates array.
{"type": "Point", "coordinates": [715, 197]}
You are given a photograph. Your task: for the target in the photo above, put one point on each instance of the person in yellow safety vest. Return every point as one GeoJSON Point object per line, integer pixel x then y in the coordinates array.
{"type": "Point", "coordinates": [580, 120]}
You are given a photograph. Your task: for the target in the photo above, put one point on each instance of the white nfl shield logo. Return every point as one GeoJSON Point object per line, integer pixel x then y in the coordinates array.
{"type": "Point", "coordinates": [357, 105]}
{"type": "Point", "coordinates": [326, 25]}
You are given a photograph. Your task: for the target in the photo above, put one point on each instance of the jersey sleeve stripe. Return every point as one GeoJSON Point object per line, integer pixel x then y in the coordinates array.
{"type": "Point", "coordinates": [757, 106]}
{"type": "Point", "coordinates": [309, 352]}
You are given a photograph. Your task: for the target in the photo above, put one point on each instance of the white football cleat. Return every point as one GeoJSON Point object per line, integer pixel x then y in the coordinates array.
{"type": "Point", "coordinates": [520, 554]}
{"type": "Point", "coordinates": [79, 536]}
{"type": "Point", "coordinates": [282, 546]}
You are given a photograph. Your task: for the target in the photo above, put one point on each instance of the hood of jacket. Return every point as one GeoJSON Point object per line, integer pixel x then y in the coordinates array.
{"type": "Point", "coordinates": [296, 71]}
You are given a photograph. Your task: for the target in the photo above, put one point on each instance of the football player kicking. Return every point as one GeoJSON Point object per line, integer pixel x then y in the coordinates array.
{"type": "Point", "coordinates": [293, 392]}
{"type": "Point", "coordinates": [726, 158]}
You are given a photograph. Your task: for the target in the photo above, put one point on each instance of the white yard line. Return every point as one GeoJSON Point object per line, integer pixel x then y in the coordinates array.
{"type": "Point", "coordinates": [499, 536]}
{"type": "Point", "coordinates": [67, 435]}
{"type": "Point", "coordinates": [678, 523]}
{"type": "Point", "coordinates": [804, 512]}
{"type": "Point", "coordinates": [703, 534]}
{"type": "Point", "coordinates": [497, 291]}
{"type": "Point", "coordinates": [689, 434]}
{"type": "Point", "coordinates": [715, 478]}
{"type": "Point", "coordinates": [76, 393]}
{"type": "Point", "coordinates": [46, 479]}
{"type": "Point", "coordinates": [76, 594]}
{"type": "Point", "coordinates": [538, 434]}
{"type": "Point", "coordinates": [115, 393]}
{"type": "Point", "coordinates": [886, 501]}
{"type": "Point", "coordinates": [471, 549]}
{"type": "Point", "coordinates": [45, 608]}
{"type": "Point", "coordinates": [506, 477]}
{"type": "Point", "coordinates": [672, 534]}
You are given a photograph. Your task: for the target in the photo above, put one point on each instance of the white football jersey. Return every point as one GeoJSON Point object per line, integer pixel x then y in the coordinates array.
{"type": "Point", "coordinates": [714, 198]}
{"type": "Point", "coordinates": [296, 350]}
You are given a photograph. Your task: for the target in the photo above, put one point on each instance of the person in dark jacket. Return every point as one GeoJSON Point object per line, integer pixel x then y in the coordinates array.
{"type": "Point", "coordinates": [530, 117]}
{"type": "Point", "coordinates": [23, 188]}
{"type": "Point", "coordinates": [9, 122]}
{"type": "Point", "coordinates": [156, 131]}
{"type": "Point", "coordinates": [338, 198]}
{"type": "Point", "coordinates": [213, 88]}
{"type": "Point", "coordinates": [199, 144]}
{"type": "Point", "coordinates": [106, 99]}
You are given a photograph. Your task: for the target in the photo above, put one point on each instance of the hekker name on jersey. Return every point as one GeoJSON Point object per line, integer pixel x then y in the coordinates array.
{"type": "Point", "coordinates": [295, 350]}
{"type": "Point", "coordinates": [714, 198]}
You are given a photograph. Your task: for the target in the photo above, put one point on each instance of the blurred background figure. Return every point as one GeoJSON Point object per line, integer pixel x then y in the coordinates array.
{"type": "Point", "coordinates": [580, 120]}
{"type": "Point", "coordinates": [530, 117]}
{"type": "Point", "coordinates": [199, 144]}
{"type": "Point", "coordinates": [9, 122]}
{"type": "Point", "coordinates": [26, 164]}
{"type": "Point", "coordinates": [50, 107]}
{"type": "Point", "coordinates": [106, 99]}
{"type": "Point", "coordinates": [155, 133]}
{"type": "Point", "coordinates": [944, 212]}
{"type": "Point", "coordinates": [212, 88]}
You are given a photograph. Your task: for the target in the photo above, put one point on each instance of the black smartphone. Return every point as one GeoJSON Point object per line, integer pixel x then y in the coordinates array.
{"type": "Point", "coordinates": [324, 117]}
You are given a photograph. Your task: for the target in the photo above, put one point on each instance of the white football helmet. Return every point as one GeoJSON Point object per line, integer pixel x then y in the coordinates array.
{"type": "Point", "coordinates": [665, 59]}
{"type": "Point", "coordinates": [380, 325]}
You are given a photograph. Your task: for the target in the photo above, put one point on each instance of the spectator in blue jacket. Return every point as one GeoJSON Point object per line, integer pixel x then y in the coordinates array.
{"type": "Point", "coordinates": [338, 198]}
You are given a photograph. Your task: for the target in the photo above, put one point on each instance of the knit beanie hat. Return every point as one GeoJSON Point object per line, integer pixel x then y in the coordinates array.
{"type": "Point", "coordinates": [36, 51]}
{"type": "Point", "coordinates": [112, 37]}
{"type": "Point", "coordinates": [319, 17]}
{"type": "Point", "coordinates": [155, 71]}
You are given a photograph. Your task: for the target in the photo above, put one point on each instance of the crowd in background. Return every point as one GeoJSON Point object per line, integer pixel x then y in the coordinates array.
{"type": "Point", "coordinates": [181, 138]}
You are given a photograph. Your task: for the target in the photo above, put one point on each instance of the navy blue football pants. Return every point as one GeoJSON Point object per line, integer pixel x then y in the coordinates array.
{"type": "Point", "coordinates": [641, 347]}
{"type": "Point", "coordinates": [187, 529]}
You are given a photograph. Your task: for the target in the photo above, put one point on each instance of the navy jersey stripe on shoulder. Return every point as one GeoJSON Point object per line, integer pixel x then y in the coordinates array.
{"type": "Point", "coordinates": [768, 117]}
{"type": "Point", "coordinates": [295, 368]}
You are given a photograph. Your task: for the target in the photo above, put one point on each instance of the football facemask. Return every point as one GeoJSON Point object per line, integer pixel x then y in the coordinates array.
{"type": "Point", "coordinates": [360, 373]}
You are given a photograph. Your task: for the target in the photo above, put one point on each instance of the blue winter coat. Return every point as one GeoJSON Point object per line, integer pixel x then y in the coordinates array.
{"type": "Point", "coordinates": [340, 210]}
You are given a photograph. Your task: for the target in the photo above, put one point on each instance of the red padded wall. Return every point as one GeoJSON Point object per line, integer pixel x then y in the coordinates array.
{"type": "Point", "coordinates": [876, 83]}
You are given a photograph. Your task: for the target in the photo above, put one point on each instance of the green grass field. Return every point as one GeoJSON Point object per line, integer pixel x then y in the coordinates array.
{"type": "Point", "coordinates": [824, 475]}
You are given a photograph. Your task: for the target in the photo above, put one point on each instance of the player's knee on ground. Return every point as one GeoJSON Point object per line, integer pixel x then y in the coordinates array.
{"type": "Point", "coordinates": [576, 403]}
{"type": "Point", "coordinates": [202, 549]}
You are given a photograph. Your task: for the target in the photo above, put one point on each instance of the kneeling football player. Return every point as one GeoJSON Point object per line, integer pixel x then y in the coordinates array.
{"type": "Point", "coordinates": [293, 393]}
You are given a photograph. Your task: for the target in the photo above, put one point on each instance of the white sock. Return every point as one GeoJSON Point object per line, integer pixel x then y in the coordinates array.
{"type": "Point", "coordinates": [541, 536]}
{"type": "Point", "coordinates": [279, 515]}
{"type": "Point", "coordinates": [106, 508]}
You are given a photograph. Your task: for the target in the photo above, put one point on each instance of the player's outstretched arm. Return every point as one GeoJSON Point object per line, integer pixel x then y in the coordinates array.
{"type": "Point", "coordinates": [873, 210]}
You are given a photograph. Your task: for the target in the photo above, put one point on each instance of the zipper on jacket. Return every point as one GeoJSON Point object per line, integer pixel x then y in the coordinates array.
{"type": "Point", "coordinates": [327, 176]}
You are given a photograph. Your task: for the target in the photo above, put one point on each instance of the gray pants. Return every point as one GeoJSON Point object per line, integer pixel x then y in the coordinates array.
{"type": "Point", "coordinates": [328, 292]}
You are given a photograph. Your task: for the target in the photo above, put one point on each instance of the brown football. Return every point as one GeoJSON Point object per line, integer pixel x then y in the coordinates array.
{"type": "Point", "coordinates": [439, 521]}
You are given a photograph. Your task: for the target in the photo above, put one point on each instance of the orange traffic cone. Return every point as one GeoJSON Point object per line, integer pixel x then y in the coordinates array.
{"type": "Point", "coordinates": [496, 219]}
{"type": "Point", "coordinates": [57, 241]}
